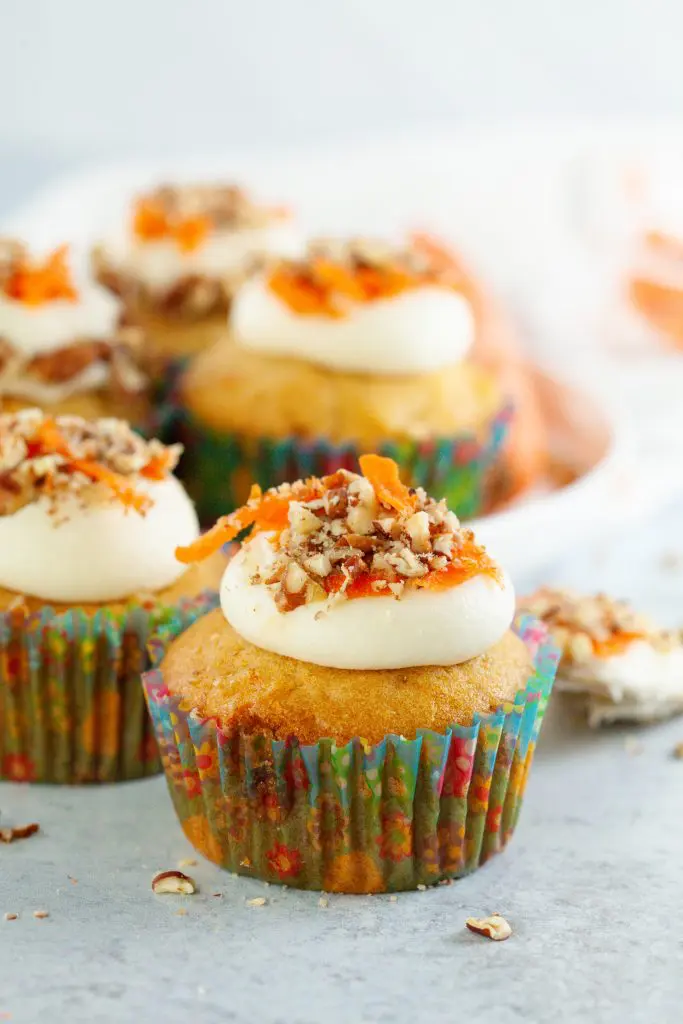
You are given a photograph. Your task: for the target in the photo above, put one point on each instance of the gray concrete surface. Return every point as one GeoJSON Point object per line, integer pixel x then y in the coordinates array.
{"type": "Point", "coordinates": [591, 884]}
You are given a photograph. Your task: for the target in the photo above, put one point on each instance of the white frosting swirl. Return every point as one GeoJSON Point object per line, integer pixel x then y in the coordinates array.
{"type": "Point", "coordinates": [641, 672]}
{"type": "Point", "coordinates": [36, 330]}
{"type": "Point", "coordinates": [96, 551]}
{"type": "Point", "coordinates": [420, 330]}
{"type": "Point", "coordinates": [422, 628]}
{"type": "Point", "coordinates": [161, 264]}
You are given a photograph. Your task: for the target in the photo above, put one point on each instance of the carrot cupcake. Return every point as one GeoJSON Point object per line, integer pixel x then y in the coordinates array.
{"type": "Point", "coordinates": [63, 344]}
{"type": "Point", "coordinates": [358, 715]}
{"type": "Point", "coordinates": [178, 261]}
{"type": "Point", "coordinates": [90, 515]}
{"type": "Point", "coordinates": [358, 345]}
{"type": "Point", "coordinates": [624, 666]}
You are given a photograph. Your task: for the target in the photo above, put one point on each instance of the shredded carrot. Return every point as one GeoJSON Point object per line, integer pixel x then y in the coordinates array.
{"type": "Point", "coordinates": [271, 514]}
{"type": "Point", "coordinates": [324, 287]}
{"type": "Point", "coordinates": [616, 644]}
{"type": "Point", "coordinates": [472, 561]}
{"type": "Point", "coordinates": [156, 468]}
{"type": "Point", "coordinates": [152, 223]}
{"type": "Point", "coordinates": [388, 486]}
{"type": "Point", "coordinates": [49, 440]}
{"type": "Point", "coordinates": [37, 283]}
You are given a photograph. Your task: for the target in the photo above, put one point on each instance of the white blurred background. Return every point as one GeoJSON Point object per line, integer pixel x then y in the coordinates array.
{"type": "Point", "coordinates": [84, 79]}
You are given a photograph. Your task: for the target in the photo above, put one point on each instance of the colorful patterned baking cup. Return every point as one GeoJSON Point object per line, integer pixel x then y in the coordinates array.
{"type": "Point", "coordinates": [218, 469]}
{"type": "Point", "coordinates": [361, 817]}
{"type": "Point", "coordinates": [72, 709]}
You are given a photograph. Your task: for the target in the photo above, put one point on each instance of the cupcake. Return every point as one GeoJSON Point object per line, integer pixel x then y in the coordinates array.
{"type": "Point", "coordinates": [358, 714]}
{"type": "Point", "coordinates": [179, 259]}
{"type": "Point", "coordinates": [622, 665]}
{"type": "Point", "coordinates": [63, 344]}
{"type": "Point", "coordinates": [90, 515]}
{"type": "Point", "coordinates": [358, 345]}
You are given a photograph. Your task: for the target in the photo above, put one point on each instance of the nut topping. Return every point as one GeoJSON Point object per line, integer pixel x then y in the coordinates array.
{"type": "Point", "coordinates": [9, 835]}
{"type": "Point", "coordinates": [173, 883]}
{"type": "Point", "coordinates": [494, 927]}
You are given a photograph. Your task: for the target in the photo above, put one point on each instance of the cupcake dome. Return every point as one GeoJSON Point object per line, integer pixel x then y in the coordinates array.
{"type": "Point", "coordinates": [359, 344]}
{"type": "Point", "coordinates": [363, 641]}
{"type": "Point", "coordinates": [178, 260]}
{"type": "Point", "coordinates": [90, 515]}
{"type": "Point", "coordinates": [62, 342]}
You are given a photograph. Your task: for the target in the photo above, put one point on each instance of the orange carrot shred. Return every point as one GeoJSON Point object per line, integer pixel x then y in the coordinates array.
{"type": "Point", "coordinates": [49, 440]}
{"type": "Point", "coordinates": [382, 473]}
{"type": "Point", "coordinates": [36, 283]}
{"type": "Point", "coordinates": [152, 223]}
{"type": "Point", "coordinates": [270, 515]}
{"type": "Point", "coordinates": [616, 644]}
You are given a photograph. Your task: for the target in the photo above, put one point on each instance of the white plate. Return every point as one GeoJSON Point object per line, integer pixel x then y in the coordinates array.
{"type": "Point", "coordinates": [507, 198]}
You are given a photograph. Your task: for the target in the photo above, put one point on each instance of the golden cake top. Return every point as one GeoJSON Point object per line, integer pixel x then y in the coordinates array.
{"type": "Point", "coordinates": [44, 456]}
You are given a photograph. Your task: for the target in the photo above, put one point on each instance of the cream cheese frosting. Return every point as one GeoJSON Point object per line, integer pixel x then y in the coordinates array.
{"type": "Point", "coordinates": [359, 572]}
{"type": "Point", "coordinates": [89, 511]}
{"type": "Point", "coordinates": [420, 628]}
{"type": "Point", "coordinates": [417, 331]}
{"type": "Point", "coordinates": [161, 264]}
{"type": "Point", "coordinates": [37, 329]}
{"type": "Point", "coordinates": [96, 550]}
{"type": "Point", "coordinates": [640, 672]}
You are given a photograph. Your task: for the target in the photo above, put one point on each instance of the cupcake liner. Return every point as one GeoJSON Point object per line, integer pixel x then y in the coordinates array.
{"type": "Point", "coordinates": [218, 468]}
{"type": "Point", "coordinates": [360, 817]}
{"type": "Point", "coordinates": [72, 709]}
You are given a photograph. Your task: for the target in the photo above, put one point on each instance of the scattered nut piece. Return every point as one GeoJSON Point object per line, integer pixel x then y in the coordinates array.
{"type": "Point", "coordinates": [393, 899]}
{"type": "Point", "coordinates": [494, 927]}
{"type": "Point", "coordinates": [8, 835]}
{"type": "Point", "coordinates": [11, 917]}
{"type": "Point", "coordinates": [41, 914]}
{"type": "Point", "coordinates": [173, 883]}
{"type": "Point", "coordinates": [677, 752]}
{"type": "Point", "coordinates": [421, 888]}
{"type": "Point", "coordinates": [323, 901]}
{"type": "Point", "coordinates": [258, 901]}
{"type": "Point", "coordinates": [187, 862]}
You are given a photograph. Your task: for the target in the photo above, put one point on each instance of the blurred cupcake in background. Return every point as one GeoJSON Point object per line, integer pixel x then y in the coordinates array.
{"type": "Point", "coordinates": [90, 516]}
{"type": "Point", "coordinates": [63, 344]}
{"type": "Point", "coordinates": [360, 344]}
{"type": "Point", "coordinates": [360, 715]}
{"type": "Point", "coordinates": [178, 260]}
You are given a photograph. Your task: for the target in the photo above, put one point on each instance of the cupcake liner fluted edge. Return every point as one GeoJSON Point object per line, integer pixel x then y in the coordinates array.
{"type": "Point", "coordinates": [358, 817]}
{"type": "Point", "coordinates": [218, 468]}
{"type": "Point", "coordinates": [72, 707]}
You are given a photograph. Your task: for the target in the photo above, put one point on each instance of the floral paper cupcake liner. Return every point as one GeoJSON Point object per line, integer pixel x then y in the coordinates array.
{"type": "Point", "coordinates": [72, 708]}
{"type": "Point", "coordinates": [218, 468]}
{"type": "Point", "coordinates": [358, 817]}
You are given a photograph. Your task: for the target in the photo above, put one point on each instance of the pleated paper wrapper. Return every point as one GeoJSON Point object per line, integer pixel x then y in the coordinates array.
{"type": "Point", "coordinates": [358, 817]}
{"type": "Point", "coordinates": [218, 469]}
{"type": "Point", "coordinates": [72, 707]}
